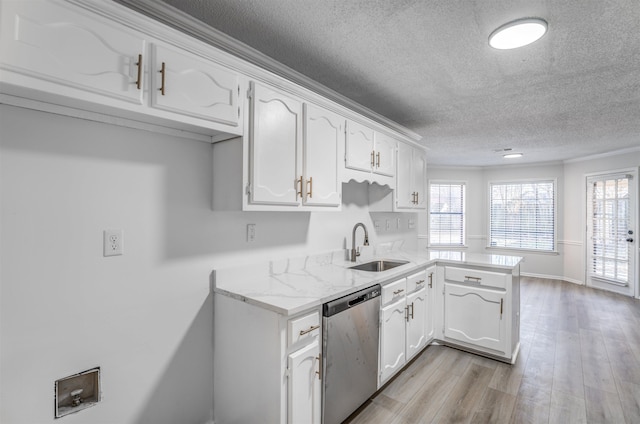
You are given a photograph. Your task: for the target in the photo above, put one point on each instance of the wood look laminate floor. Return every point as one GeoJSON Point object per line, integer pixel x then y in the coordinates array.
{"type": "Point", "coordinates": [579, 363]}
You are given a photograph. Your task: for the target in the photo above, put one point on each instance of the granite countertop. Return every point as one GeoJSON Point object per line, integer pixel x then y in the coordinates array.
{"type": "Point", "coordinates": [294, 285]}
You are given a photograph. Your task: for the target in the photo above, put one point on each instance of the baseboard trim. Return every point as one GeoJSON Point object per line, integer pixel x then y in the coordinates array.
{"type": "Point", "coordinates": [553, 277]}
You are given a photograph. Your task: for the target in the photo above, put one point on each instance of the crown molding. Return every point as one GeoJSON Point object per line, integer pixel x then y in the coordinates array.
{"type": "Point", "coordinates": [604, 155]}
{"type": "Point", "coordinates": [181, 21]}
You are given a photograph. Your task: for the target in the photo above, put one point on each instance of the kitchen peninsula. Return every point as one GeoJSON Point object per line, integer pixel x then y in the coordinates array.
{"type": "Point", "coordinates": [267, 321]}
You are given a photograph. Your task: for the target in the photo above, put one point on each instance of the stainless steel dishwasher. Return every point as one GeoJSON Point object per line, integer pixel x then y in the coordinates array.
{"type": "Point", "coordinates": [350, 351]}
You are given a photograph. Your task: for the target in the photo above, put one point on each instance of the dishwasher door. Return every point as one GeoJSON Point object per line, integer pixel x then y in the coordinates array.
{"type": "Point", "coordinates": [350, 352]}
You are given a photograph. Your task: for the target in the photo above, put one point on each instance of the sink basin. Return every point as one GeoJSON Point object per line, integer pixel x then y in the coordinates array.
{"type": "Point", "coordinates": [378, 266]}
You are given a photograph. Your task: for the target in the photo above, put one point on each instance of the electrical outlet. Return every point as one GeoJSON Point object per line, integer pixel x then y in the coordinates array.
{"type": "Point", "coordinates": [251, 233]}
{"type": "Point", "coordinates": [113, 242]}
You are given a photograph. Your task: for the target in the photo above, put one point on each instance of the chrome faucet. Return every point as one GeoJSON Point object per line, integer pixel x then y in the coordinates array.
{"type": "Point", "coordinates": [354, 252]}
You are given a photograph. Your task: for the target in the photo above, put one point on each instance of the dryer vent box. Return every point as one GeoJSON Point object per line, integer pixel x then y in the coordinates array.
{"type": "Point", "coordinates": [77, 392]}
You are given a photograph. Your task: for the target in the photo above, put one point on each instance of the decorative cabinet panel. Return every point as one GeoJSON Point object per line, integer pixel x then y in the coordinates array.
{"type": "Point", "coordinates": [392, 339]}
{"type": "Point", "coordinates": [481, 309]}
{"type": "Point", "coordinates": [385, 149]}
{"type": "Point", "coordinates": [475, 315]}
{"type": "Point", "coordinates": [54, 43]}
{"type": "Point", "coordinates": [359, 154]}
{"type": "Point", "coordinates": [411, 178]}
{"type": "Point", "coordinates": [304, 388]}
{"type": "Point", "coordinates": [371, 153]}
{"type": "Point", "coordinates": [429, 316]}
{"type": "Point", "coordinates": [190, 85]}
{"type": "Point", "coordinates": [323, 134]}
{"type": "Point", "coordinates": [274, 146]}
{"type": "Point", "coordinates": [416, 322]}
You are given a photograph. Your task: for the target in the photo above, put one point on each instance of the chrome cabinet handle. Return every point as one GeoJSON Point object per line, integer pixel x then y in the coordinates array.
{"type": "Point", "coordinates": [378, 160]}
{"type": "Point", "coordinates": [299, 192]}
{"type": "Point", "coordinates": [319, 358]}
{"type": "Point", "coordinates": [419, 282]}
{"type": "Point", "coordinates": [398, 292]}
{"type": "Point", "coordinates": [309, 330]}
{"type": "Point", "coordinates": [469, 277]}
{"type": "Point", "coordinates": [431, 280]}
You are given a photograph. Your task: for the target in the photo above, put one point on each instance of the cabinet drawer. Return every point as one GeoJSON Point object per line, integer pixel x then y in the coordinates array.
{"type": "Point", "coordinates": [304, 327]}
{"type": "Point", "coordinates": [393, 291]}
{"type": "Point", "coordinates": [416, 281]}
{"type": "Point", "coordinates": [483, 278]}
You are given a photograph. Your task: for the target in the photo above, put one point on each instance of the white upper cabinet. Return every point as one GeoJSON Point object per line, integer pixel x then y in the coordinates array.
{"type": "Point", "coordinates": [371, 153]}
{"type": "Point", "coordinates": [411, 178]}
{"type": "Point", "coordinates": [385, 149]}
{"type": "Point", "coordinates": [69, 55]}
{"type": "Point", "coordinates": [359, 154]}
{"type": "Point", "coordinates": [191, 85]}
{"type": "Point", "coordinates": [63, 49]}
{"type": "Point", "coordinates": [323, 135]}
{"type": "Point", "coordinates": [290, 167]}
{"type": "Point", "coordinates": [275, 153]}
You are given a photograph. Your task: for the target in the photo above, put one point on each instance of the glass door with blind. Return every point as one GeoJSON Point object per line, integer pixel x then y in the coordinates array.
{"type": "Point", "coordinates": [611, 232]}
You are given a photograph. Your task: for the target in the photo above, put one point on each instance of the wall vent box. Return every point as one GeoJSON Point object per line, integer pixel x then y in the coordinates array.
{"type": "Point", "coordinates": [77, 392]}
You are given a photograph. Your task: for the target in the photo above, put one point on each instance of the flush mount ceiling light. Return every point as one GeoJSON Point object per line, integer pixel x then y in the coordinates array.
{"type": "Point", "coordinates": [518, 33]}
{"type": "Point", "coordinates": [512, 155]}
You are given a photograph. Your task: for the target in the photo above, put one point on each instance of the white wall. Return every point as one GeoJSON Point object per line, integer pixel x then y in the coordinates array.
{"type": "Point", "coordinates": [569, 263]}
{"type": "Point", "coordinates": [145, 317]}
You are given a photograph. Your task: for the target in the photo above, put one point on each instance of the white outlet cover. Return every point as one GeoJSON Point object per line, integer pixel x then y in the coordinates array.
{"type": "Point", "coordinates": [113, 242]}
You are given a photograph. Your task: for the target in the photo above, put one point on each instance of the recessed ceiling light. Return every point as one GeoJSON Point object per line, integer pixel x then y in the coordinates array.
{"type": "Point", "coordinates": [518, 33]}
{"type": "Point", "coordinates": [512, 155]}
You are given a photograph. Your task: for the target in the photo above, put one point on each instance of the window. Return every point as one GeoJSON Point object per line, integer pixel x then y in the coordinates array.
{"type": "Point", "coordinates": [446, 214]}
{"type": "Point", "coordinates": [522, 215]}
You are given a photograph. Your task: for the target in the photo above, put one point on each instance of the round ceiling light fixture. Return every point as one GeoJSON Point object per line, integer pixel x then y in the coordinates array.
{"type": "Point", "coordinates": [512, 155]}
{"type": "Point", "coordinates": [518, 33]}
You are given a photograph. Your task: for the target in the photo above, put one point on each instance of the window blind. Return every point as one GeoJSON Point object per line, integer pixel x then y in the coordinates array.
{"type": "Point", "coordinates": [446, 214]}
{"type": "Point", "coordinates": [522, 215]}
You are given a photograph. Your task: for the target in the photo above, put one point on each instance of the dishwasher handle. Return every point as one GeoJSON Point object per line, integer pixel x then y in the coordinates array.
{"type": "Point", "coordinates": [357, 300]}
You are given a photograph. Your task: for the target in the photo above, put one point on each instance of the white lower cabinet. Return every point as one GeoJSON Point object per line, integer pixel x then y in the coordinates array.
{"type": "Point", "coordinates": [403, 323]}
{"type": "Point", "coordinates": [392, 339]}
{"type": "Point", "coordinates": [475, 315]}
{"type": "Point", "coordinates": [266, 365]}
{"type": "Point", "coordinates": [481, 310]}
{"type": "Point", "coordinates": [304, 388]}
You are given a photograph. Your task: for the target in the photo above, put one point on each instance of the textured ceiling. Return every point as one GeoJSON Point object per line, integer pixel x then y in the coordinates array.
{"type": "Point", "coordinates": [426, 64]}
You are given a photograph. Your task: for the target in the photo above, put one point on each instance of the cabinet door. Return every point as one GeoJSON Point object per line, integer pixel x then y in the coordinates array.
{"type": "Point", "coordinates": [70, 50]}
{"type": "Point", "coordinates": [429, 313]}
{"type": "Point", "coordinates": [359, 153]}
{"type": "Point", "coordinates": [475, 315]}
{"type": "Point", "coordinates": [392, 339]}
{"type": "Point", "coordinates": [190, 85]}
{"type": "Point", "coordinates": [385, 155]}
{"type": "Point", "coordinates": [417, 306]}
{"type": "Point", "coordinates": [303, 401]}
{"type": "Point", "coordinates": [275, 136]}
{"type": "Point", "coordinates": [419, 178]}
{"type": "Point", "coordinates": [323, 133]}
{"type": "Point", "coordinates": [404, 190]}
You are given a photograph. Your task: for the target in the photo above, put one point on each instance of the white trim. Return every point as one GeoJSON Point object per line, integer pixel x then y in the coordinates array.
{"type": "Point", "coordinates": [604, 155]}
{"type": "Point", "coordinates": [477, 237]}
{"type": "Point", "coordinates": [552, 277]}
{"type": "Point", "coordinates": [570, 242]}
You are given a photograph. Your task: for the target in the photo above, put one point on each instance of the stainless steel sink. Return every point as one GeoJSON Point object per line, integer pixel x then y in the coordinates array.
{"type": "Point", "coordinates": [378, 266]}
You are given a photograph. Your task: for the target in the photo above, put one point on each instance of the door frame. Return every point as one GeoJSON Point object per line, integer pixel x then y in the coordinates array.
{"type": "Point", "coordinates": [635, 251]}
